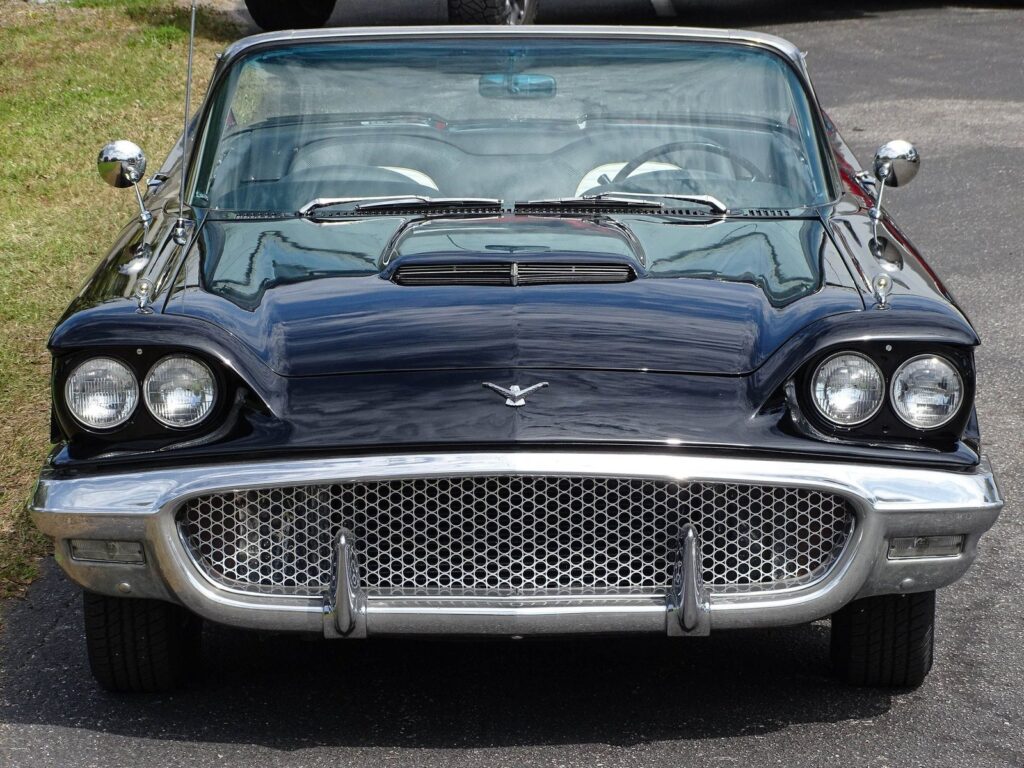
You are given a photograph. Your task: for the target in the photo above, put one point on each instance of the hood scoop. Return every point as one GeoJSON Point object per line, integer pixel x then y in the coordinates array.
{"type": "Point", "coordinates": [512, 274]}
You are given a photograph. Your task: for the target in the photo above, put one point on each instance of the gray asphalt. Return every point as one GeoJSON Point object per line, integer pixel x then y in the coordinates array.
{"type": "Point", "coordinates": [951, 79]}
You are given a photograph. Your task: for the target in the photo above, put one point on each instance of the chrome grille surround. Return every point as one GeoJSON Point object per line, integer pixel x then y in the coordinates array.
{"type": "Point", "coordinates": [514, 535]}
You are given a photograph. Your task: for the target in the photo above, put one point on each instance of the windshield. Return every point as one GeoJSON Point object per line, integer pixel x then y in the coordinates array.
{"type": "Point", "coordinates": [514, 120]}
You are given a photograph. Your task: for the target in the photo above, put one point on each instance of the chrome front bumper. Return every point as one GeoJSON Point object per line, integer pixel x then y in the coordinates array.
{"type": "Point", "coordinates": [887, 501]}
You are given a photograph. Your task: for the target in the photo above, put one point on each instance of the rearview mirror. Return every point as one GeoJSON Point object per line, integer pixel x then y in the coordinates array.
{"type": "Point", "coordinates": [121, 164]}
{"type": "Point", "coordinates": [505, 86]}
{"type": "Point", "coordinates": [897, 163]}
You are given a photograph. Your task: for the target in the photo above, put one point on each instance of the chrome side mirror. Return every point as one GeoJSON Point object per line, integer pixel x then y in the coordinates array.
{"type": "Point", "coordinates": [123, 164]}
{"type": "Point", "coordinates": [897, 163]}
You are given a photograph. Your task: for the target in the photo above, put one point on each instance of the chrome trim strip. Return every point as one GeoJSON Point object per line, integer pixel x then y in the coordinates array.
{"type": "Point", "coordinates": [701, 34]}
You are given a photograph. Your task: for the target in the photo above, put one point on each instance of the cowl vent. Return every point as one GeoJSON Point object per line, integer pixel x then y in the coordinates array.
{"type": "Point", "coordinates": [511, 274]}
{"type": "Point", "coordinates": [768, 213]}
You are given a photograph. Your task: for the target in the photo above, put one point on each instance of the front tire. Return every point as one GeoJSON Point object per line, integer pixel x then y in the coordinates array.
{"type": "Point", "coordinates": [507, 12]}
{"type": "Point", "coordinates": [140, 646]}
{"type": "Point", "coordinates": [273, 15]}
{"type": "Point", "coordinates": [886, 641]}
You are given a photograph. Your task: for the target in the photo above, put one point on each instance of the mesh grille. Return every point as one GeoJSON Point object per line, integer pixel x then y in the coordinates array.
{"type": "Point", "coordinates": [517, 534]}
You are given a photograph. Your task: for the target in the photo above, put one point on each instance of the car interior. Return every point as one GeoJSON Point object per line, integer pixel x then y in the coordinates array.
{"type": "Point", "coordinates": [425, 155]}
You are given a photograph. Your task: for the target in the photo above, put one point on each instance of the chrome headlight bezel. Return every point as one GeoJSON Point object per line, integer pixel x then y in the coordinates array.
{"type": "Point", "coordinates": [821, 411]}
{"type": "Point", "coordinates": [962, 395]}
{"type": "Point", "coordinates": [134, 394]}
{"type": "Point", "coordinates": [211, 406]}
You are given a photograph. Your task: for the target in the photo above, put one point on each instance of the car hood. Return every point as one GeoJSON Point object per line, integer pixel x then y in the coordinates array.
{"type": "Point", "coordinates": [338, 313]}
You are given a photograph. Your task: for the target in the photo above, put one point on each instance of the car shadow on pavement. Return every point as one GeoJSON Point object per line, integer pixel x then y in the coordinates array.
{"type": "Point", "coordinates": [289, 693]}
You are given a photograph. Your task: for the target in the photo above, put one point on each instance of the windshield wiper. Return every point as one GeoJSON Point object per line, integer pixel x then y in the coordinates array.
{"type": "Point", "coordinates": [650, 201]}
{"type": "Point", "coordinates": [419, 203]}
{"type": "Point", "coordinates": [710, 201]}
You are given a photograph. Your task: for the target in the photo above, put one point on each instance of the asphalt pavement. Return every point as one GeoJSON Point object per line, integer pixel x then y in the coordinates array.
{"type": "Point", "coordinates": [950, 79]}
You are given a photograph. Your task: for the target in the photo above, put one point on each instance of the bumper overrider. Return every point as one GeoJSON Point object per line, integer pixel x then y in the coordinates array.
{"type": "Point", "coordinates": [140, 512]}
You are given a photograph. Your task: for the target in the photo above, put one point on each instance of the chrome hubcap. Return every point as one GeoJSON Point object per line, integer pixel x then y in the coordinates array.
{"type": "Point", "coordinates": [516, 11]}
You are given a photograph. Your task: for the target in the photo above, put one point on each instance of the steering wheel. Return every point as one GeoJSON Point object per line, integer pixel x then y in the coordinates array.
{"type": "Point", "coordinates": [681, 146]}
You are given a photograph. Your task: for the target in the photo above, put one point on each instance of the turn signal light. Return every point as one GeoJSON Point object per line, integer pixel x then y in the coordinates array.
{"type": "Point", "coordinates": [94, 550]}
{"type": "Point", "coordinates": [925, 546]}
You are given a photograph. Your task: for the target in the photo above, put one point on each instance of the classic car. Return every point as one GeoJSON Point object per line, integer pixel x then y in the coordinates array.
{"type": "Point", "coordinates": [512, 332]}
{"type": "Point", "coordinates": [273, 15]}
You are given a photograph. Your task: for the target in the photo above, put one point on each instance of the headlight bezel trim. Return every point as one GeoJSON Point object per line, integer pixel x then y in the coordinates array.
{"type": "Point", "coordinates": [142, 432]}
{"type": "Point", "coordinates": [891, 390]}
{"type": "Point", "coordinates": [885, 430]}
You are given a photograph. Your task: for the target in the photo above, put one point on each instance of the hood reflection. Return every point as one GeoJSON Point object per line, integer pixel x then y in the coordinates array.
{"type": "Point", "coordinates": [310, 299]}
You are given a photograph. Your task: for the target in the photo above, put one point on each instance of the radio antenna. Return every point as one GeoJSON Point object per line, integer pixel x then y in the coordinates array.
{"type": "Point", "coordinates": [180, 233]}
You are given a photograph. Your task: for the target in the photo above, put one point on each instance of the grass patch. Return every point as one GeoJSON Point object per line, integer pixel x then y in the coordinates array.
{"type": "Point", "coordinates": [72, 77]}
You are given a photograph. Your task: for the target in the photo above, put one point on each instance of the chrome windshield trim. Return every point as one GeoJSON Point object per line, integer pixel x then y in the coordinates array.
{"type": "Point", "coordinates": [699, 34]}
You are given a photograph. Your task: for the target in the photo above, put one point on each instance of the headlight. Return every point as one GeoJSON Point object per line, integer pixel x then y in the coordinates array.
{"type": "Point", "coordinates": [101, 393]}
{"type": "Point", "coordinates": [848, 389]}
{"type": "Point", "coordinates": [180, 391]}
{"type": "Point", "coordinates": [927, 392]}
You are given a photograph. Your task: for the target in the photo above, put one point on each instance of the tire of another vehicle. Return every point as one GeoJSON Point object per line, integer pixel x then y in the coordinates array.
{"type": "Point", "coordinates": [140, 646]}
{"type": "Point", "coordinates": [272, 15]}
{"type": "Point", "coordinates": [885, 641]}
{"type": "Point", "coordinates": [492, 11]}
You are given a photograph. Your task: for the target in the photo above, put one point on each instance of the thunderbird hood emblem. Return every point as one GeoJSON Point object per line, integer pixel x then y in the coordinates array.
{"type": "Point", "coordinates": [514, 396]}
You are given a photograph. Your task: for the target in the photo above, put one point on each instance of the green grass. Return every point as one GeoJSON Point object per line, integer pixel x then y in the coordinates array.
{"type": "Point", "coordinates": [72, 77]}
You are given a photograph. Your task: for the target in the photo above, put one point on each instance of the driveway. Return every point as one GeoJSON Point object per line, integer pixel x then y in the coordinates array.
{"type": "Point", "coordinates": [951, 79]}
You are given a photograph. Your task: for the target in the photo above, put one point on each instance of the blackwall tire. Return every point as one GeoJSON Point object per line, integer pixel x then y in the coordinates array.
{"type": "Point", "coordinates": [140, 646]}
{"type": "Point", "coordinates": [886, 641]}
